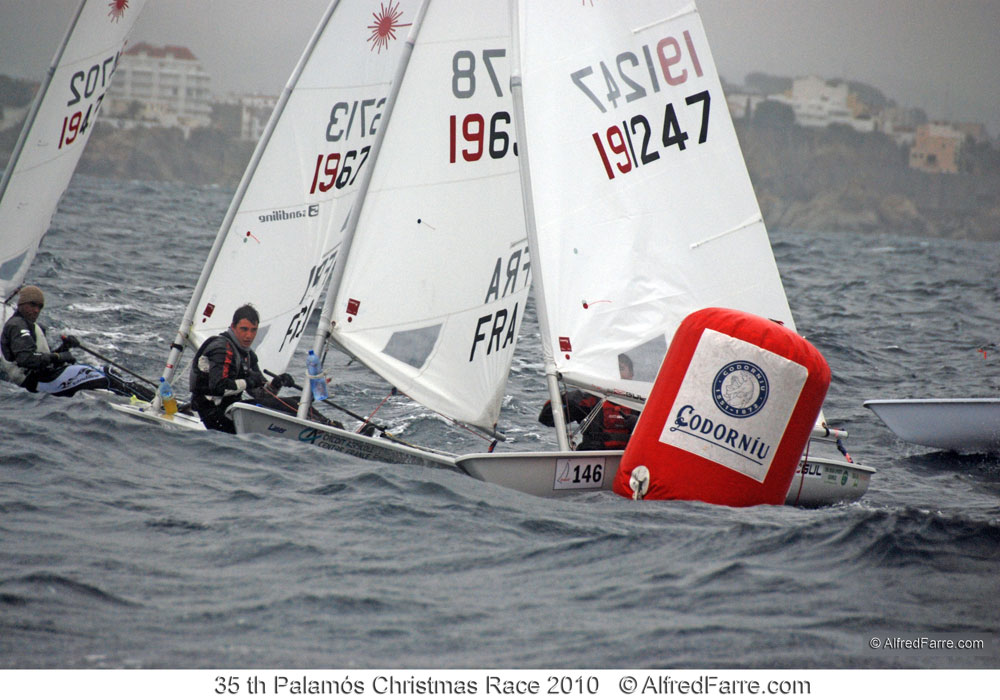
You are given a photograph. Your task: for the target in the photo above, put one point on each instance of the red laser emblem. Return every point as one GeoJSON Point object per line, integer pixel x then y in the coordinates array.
{"type": "Point", "coordinates": [385, 26]}
{"type": "Point", "coordinates": [118, 8]}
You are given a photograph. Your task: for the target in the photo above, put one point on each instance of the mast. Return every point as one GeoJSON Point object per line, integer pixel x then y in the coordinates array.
{"type": "Point", "coordinates": [538, 284]}
{"type": "Point", "coordinates": [177, 347]}
{"type": "Point", "coordinates": [329, 302]}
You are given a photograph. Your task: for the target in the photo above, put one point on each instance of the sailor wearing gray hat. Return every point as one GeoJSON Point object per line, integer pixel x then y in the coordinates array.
{"type": "Point", "coordinates": [26, 359]}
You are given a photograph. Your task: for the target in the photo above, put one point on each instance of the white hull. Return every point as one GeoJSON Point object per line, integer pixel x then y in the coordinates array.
{"type": "Point", "coordinates": [820, 481]}
{"type": "Point", "coordinates": [144, 410]}
{"type": "Point", "coordinates": [256, 419]}
{"type": "Point", "coordinates": [962, 425]}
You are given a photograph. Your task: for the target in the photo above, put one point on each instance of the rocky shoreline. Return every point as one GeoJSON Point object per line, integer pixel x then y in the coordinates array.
{"type": "Point", "coordinates": [805, 180]}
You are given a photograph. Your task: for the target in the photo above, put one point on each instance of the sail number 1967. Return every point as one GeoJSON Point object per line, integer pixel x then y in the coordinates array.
{"type": "Point", "coordinates": [579, 473]}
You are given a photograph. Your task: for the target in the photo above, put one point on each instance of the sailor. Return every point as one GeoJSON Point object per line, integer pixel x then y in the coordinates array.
{"type": "Point", "coordinates": [610, 428]}
{"type": "Point", "coordinates": [224, 368]}
{"type": "Point", "coordinates": [28, 361]}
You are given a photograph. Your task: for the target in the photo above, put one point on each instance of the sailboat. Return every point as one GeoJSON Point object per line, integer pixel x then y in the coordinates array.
{"type": "Point", "coordinates": [958, 425]}
{"type": "Point", "coordinates": [283, 230]}
{"type": "Point", "coordinates": [56, 130]}
{"type": "Point", "coordinates": [633, 205]}
{"type": "Point", "coordinates": [434, 301]}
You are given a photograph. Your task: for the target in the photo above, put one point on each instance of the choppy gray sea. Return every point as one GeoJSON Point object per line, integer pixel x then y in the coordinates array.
{"type": "Point", "coordinates": [125, 545]}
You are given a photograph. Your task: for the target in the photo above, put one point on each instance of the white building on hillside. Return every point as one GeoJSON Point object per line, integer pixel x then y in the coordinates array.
{"type": "Point", "coordinates": [160, 86]}
{"type": "Point", "coordinates": [819, 103]}
{"type": "Point", "coordinates": [255, 111]}
{"type": "Point", "coordinates": [742, 104]}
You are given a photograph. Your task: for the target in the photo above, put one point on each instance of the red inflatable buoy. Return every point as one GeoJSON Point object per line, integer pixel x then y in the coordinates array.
{"type": "Point", "coordinates": [729, 415]}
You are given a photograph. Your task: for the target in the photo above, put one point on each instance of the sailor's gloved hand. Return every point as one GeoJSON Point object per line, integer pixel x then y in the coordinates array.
{"type": "Point", "coordinates": [282, 380]}
{"type": "Point", "coordinates": [70, 342]}
{"type": "Point", "coordinates": [63, 357]}
{"type": "Point", "coordinates": [254, 383]}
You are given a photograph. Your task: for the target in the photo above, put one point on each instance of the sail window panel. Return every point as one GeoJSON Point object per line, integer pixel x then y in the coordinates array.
{"type": "Point", "coordinates": [413, 346]}
{"type": "Point", "coordinates": [10, 267]}
{"type": "Point", "coordinates": [646, 359]}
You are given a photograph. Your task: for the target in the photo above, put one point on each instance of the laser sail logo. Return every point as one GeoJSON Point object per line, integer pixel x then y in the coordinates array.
{"type": "Point", "coordinates": [386, 24]}
{"type": "Point", "coordinates": [117, 9]}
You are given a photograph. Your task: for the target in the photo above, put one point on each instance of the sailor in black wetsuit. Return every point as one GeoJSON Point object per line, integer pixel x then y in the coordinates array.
{"type": "Point", "coordinates": [225, 367]}
{"type": "Point", "coordinates": [27, 360]}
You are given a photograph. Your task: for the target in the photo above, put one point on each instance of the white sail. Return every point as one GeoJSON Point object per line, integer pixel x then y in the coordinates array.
{"type": "Point", "coordinates": [57, 129]}
{"type": "Point", "coordinates": [435, 281]}
{"type": "Point", "coordinates": [280, 238]}
{"type": "Point", "coordinates": [643, 206]}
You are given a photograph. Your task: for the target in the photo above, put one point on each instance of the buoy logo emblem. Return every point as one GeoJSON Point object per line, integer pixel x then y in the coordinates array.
{"type": "Point", "coordinates": [740, 389]}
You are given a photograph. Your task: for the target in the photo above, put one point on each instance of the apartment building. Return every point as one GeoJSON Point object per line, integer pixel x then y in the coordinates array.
{"type": "Point", "coordinates": [160, 86]}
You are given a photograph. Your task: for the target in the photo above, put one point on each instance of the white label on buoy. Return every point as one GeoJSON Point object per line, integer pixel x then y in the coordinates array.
{"type": "Point", "coordinates": [734, 404]}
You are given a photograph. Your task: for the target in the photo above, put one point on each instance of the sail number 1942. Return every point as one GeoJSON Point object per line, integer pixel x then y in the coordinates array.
{"type": "Point", "coordinates": [631, 77]}
{"type": "Point", "coordinates": [84, 85]}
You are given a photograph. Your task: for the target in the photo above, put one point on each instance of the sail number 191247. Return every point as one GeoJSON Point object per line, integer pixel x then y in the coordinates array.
{"type": "Point", "coordinates": [633, 143]}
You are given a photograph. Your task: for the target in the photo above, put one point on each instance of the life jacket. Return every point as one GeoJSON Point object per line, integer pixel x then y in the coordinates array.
{"type": "Point", "coordinates": [10, 370]}
{"type": "Point", "coordinates": [616, 425]}
{"type": "Point", "coordinates": [611, 429]}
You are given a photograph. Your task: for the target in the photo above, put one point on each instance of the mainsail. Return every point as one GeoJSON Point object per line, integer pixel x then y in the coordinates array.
{"type": "Point", "coordinates": [280, 237]}
{"type": "Point", "coordinates": [57, 129]}
{"type": "Point", "coordinates": [434, 283]}
{"type": "Point", "coordinates": [643, 210]}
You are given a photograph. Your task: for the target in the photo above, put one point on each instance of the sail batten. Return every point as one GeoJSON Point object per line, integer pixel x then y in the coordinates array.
{"type": "Point", "coordinates": [691, 9]}
{"type": "Point", "coordinates": [723, 234]}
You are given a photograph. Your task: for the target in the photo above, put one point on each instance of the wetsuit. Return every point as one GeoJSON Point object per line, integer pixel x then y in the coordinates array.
{"type": "Point", "coordinates": [28, 362]}
{"type": "Point", "coordinates": [221, 371]}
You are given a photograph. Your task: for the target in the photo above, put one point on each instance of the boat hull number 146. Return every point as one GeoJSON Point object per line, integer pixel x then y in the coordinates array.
{"type": "Point", "coordinates": [579, 473]}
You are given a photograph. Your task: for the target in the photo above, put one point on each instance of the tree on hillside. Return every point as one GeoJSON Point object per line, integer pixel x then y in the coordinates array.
{"type": "Point", "coordinates": [773, 114]}
{"type": "Point", "coordinates": [768, 84]}
{"type": "Point", "coordinates": [870, 96]}
{"type": "Point", "coordinates": [15, 92]}
{"type": "Point", "coordinates": [979, 158]}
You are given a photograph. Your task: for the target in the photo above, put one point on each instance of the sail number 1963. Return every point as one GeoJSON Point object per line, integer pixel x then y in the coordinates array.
{"type": "Point", "coordinates": [579, 473]}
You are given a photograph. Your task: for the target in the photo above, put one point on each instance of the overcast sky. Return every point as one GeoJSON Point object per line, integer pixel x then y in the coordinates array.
{"type": "Point", "coordinates": [940, 55]}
